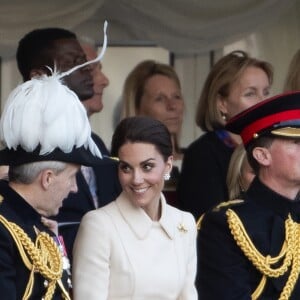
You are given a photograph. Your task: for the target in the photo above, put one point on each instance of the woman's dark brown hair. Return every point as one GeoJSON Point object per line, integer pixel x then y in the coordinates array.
{"type": "Point", "coordinates": [145, 130]}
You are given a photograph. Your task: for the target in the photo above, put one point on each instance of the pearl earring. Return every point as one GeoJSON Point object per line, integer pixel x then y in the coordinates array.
{"type": "Point", "coordinates": [224, 116]}
{"type": "Point", "coordinates": [167, 176]}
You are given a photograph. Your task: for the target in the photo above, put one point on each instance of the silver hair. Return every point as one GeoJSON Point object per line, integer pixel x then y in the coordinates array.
{"type": "Point", "coordinates": [27, 173]}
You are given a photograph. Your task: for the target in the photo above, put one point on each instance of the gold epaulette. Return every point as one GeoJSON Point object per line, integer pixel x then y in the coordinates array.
{"type": "Point", "coordinates": [227, 203]}
{"type": "Point", "coordinates": [217, 208]}
{"type": "Point", "coordinates": [289, 256]}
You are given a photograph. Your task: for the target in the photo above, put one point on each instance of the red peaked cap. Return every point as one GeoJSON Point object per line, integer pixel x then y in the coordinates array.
{"type": "Point", "coordinates": [276, 116]}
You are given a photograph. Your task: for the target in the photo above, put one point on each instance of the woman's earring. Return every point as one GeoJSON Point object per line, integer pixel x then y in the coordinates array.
{"type": "Point", "coordinates": [224, 116]}
{"type": "Point", "coordinates": [167, 176]}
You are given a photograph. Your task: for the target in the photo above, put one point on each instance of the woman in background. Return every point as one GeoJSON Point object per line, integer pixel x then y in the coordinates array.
{"type": "Point", "coordinates": [153, 89]}
{"type": "Point", "coordinates": [240, 174]}
{"type": "Point", "coordinates": [234, 83]}
{"type": "Point", "coordinates": [138, 246]}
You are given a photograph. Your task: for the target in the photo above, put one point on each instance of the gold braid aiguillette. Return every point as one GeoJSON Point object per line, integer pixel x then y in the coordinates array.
{"type": "Point", "coordinates": [43, 257]}
{"type": "Point", "coordinates": [289, 254]}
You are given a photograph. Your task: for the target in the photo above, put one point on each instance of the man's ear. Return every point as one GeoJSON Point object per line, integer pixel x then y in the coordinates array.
{"type": "Point", "coordinates": [47, 177]}
{"type": "Point", "coordinates": [262, 155]}
{"type": "Point", "coordinates": [36, 73]}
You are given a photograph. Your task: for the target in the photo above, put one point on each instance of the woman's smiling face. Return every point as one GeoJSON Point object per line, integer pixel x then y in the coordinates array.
{"type": "Point", "coordinates": [141, 173]}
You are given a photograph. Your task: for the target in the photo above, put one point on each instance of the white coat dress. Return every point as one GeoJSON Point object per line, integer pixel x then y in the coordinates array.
{"type": "Point", "coordinates": [120, 253]}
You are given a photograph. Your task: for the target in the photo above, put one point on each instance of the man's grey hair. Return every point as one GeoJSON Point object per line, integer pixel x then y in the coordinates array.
{"type": "Point", "coordinates": [27, 173]}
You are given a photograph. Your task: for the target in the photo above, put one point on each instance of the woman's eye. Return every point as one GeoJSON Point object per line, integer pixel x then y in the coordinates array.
{"type": "Point", "coordinates": [250, 94]}
{"type": "Point", "coordinates": [124, 168]}
{"type": "Point", "coordinates": [178, 97]}
{"type": "Point", "coordinates": [147, 167]}
{"type": "Point", "coordinates": [159, 98]}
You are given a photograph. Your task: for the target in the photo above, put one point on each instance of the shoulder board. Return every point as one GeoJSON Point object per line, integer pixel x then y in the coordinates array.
{"type": "Point", "coordinates": [217, 208]}
{"type": "Point", "coordinates": [227, 204]}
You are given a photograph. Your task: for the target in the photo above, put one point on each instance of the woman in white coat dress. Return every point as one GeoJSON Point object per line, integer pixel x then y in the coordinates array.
{"type": "Point", "coordinates": [138, 246]}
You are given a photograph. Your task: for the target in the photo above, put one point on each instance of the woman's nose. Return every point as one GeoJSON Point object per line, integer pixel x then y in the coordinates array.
{"type": "Point", "coordinates": [137, 177]}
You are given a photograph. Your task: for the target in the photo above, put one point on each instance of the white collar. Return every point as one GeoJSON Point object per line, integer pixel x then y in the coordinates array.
{"type": "Point", "coordinates": [140, 223]}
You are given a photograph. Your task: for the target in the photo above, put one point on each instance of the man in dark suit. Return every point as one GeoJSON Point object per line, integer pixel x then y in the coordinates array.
{"type": "Point", "coordinates": [249, 248]}
{"type": "Point", "coordinates": [60, 50]}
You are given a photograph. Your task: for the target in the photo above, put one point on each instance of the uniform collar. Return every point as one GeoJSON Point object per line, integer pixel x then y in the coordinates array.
{"type": "Point", "coordinates": [139, 221]}
{"type": "Point", "coordinates": [12, 199]}
{"type": "Point", "coordinates": [264, 196]}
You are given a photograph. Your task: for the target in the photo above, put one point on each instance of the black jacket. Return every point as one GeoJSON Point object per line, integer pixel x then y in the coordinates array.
{"type": "Point", "coordinates": [14, 275]}
{"type": "Point", "coordinates": [78, 204]}
{"type": "Point", "coordinates": [202, 181]}
{"type": "Point", "coordinates": [224, 272]}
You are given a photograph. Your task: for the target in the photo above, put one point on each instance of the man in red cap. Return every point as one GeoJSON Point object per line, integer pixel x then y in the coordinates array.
{"type": "Point", "coordinates": [249, 248]}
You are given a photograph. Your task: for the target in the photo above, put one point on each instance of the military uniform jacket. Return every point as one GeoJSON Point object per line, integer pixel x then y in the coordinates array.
{"type": "Point", "coordinates": [224, 271]}
{"type": "Point", "coordinates": [14, 275]}
{"type": "Point", "coordinates": [120, 253]}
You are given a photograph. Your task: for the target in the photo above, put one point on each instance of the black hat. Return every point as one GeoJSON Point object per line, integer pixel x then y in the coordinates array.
{"type": "Point", "coordinates": [276, 116]}
{"type": "Point", "coordinates": [81, 156]}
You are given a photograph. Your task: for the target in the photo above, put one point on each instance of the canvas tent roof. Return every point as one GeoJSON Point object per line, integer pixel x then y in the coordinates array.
{"type": "Point", "coordinates": [183, 27]}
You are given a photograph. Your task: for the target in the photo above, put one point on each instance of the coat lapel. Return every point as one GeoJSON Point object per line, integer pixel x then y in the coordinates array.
{"type": "Point", "coordinates": [139, 222]}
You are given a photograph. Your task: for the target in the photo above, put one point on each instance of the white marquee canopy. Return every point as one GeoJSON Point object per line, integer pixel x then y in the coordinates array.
{"type": "Point", "coordinates": [181, 26]}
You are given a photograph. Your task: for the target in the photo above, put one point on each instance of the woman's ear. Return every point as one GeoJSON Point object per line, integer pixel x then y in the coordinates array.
{"type": "Point", "coordinates": [262, 155]}
{"type": "Point", "coordinates": [222, 107]}
{"type": "Point", "coordinates": [169, 164]}
{"type": "Point", "coordinates": [222, 104]}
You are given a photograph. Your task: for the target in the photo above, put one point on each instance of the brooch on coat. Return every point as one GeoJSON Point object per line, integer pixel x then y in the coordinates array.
{"type": "Point", "coordinates": [181, 227]}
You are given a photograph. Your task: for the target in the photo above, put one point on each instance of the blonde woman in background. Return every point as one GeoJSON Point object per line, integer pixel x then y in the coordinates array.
{"type": "Point", "coordinates": [236, 82]}
{"type": "Point", "coordinates": [292, 82]}
{"type": "Point", "coordinates": [153, 89]}
{"type": "Point", "coordinates": [240, 174]}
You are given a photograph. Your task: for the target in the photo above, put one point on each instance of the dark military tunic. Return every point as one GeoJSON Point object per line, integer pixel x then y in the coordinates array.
{"type": "Point", "coordinates": [14, 275]}
{"type": "Point", "coordinates": [224, 272]}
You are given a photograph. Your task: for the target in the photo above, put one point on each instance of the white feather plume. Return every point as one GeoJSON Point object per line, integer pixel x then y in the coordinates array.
{"type": "Point", "coordinates": [45, 112]}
